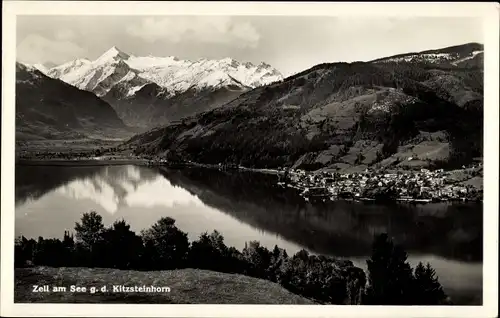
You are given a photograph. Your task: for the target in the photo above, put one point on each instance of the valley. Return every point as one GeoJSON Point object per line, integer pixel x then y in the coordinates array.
{"type": "Point", "coordinates": [49, 109]}
{"type": "Point", "coordinates": [406, 113]}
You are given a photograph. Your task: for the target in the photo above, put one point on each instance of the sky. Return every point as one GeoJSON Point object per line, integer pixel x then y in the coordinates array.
{"type": "Point", "coordinates": [288, 43]}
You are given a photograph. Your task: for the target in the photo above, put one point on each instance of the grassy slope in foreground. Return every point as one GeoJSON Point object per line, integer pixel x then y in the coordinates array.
{"type": "Point", "coordinates": [188, 286]}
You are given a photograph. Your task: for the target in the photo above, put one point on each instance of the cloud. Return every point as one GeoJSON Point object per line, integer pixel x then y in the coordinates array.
{"type": "Point", "coordinates": [38, 49]}
{"type": "Point", "coordinates": [64, 34]}
{"type": "Point", "coordinates": [153, 193]}
{"type": "Point", "coordinates": [363, 26]}
{"type": "Point", "coordinates": [219, 30]}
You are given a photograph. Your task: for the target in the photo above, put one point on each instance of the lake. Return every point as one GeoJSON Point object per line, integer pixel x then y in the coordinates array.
{"type": "Point", "coordinates": [245, 206]}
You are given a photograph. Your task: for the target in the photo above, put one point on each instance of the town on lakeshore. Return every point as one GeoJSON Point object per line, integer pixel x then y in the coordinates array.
{"type": "Point", "coordinates": [412, 186]}
{"type": "Point", "coordinates": [418, 186]}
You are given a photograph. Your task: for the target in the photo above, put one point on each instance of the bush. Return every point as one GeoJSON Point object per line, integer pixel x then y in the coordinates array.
{"type": "Point", "coordinates": [318, 277]}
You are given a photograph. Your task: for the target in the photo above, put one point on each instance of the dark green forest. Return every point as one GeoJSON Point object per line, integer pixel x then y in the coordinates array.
{"type": "Point", "coordinates": [255, 129]}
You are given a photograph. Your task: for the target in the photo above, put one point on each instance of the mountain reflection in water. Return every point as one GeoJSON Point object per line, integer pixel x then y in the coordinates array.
{"type": "Point", "coordinates": [249, 206]}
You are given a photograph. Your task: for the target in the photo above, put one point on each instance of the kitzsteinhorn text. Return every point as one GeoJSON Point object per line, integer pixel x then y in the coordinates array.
{"type": "Point", "coordinates": [140, 289]}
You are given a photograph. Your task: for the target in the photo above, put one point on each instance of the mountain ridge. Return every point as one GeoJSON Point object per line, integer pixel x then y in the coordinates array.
{"type": "Point", "coordinates": [245, 73]}
{"type": "Point", "coordinates": [117, 77]}
{"type": "Point", "coordinates": [52, 109]}
{"type": "Point", "coordinates": [339, 115]}
{"type": "Point", "coordinates": [466, 55]}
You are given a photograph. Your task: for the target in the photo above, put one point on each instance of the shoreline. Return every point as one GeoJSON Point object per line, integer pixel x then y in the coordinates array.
{"type": "Point", "coordinates": [88, 162]}
{"type": "Point", "coordinates": [134, 161]}
{"type": "Point", "coordinates": [80, 162]}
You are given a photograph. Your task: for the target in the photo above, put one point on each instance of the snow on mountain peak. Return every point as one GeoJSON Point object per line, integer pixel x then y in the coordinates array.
{"type": "Point", "coordinates": [229, 60]}
{"type": "Point", "coordinates": [27, 73]}
{"type": "Point", "coordinates": [113, 54]}
{"type": "Point", "coordinates": [38, 66]}
{"type": "Point", "coordinates": [115, 67]}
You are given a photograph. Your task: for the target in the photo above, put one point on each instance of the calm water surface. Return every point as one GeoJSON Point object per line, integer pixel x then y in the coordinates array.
{"type": "Point", "coordinates": [245, 207]}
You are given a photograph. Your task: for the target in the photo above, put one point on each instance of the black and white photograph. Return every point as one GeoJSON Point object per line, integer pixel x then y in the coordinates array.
{"type": "Point", "coordinates": [236, 158]}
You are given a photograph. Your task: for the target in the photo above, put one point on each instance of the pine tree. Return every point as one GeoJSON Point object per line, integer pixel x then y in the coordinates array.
{"type": "Point", "coordinates": [390, 276]}
{"type": "Point", "coordinates": [68, 244]}
{"type": "Point", "coordinates": [427, 289]}
{"type": "Point", "coordinates": [68, 241]}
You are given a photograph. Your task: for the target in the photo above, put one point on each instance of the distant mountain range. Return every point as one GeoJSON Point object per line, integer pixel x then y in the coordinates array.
{"type": "Point", "coordinates": [408, 111]}
{"type": "Point", "coordinates": [48, 108]}
{"type": "Point", "coordinates": [148, 91]}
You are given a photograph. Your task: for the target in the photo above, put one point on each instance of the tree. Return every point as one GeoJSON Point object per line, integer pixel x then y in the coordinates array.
{"type": "Point", "coordinates": [89, 231]}
{"type": "Point", "coordinates": [120, 248]}
{"type": "Point", "coordinates": [68, 240]}
{"type": "Point", "coordinates": [68, 244]}
{"type": "Point", "coordinates": [427, 289]}
{"type": "Point", "coordinates": [390, 276]}
{"type": "Point", "coordinates": [88, 236]}
{"type": "Point", "coordinates": [167, 245]}
{"type": "Point", "coordinates": [24, 250]}
{"type": "Point", "coordinates": [355, 285]}
{"type": "Point", "coordinates": [278, 258]}
{"type": "Point", "coordinates": [48, 252]}
{"type": "Point", "coordinates": [259, 257]}
{"type": "Point", "coordinates": [235, 261]}
{"type": "Point", "coordinates": [209, 247]}
{"type": "Point", "coordinates": [321, 278]}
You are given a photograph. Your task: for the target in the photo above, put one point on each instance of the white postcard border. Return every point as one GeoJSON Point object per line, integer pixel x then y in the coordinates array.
{"type": "Point", "coordinates": [488, 12]}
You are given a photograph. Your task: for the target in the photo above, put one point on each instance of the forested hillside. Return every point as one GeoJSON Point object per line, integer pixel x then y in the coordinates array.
{"type": "Point", "coordinates": [339, 115]}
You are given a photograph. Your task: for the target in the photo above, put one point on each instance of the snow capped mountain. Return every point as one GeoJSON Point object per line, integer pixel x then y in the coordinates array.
{"type": "Point", "coordinates": [63, 69]}
{"type": "Point", "coordinates": [131, 73]}
{"type": "Point", "coordinates": [98, 76]}
{"type": "Point", "coordinates": [149, 90]}
{"type": "Point", "coordinates": [180, 75]}
{"type": "Point", "coordinates": [38, 66]}
{"type": "Point", "coordinates": [27, 73]}
{"type": "Point", "coordinates": [113, 54]}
